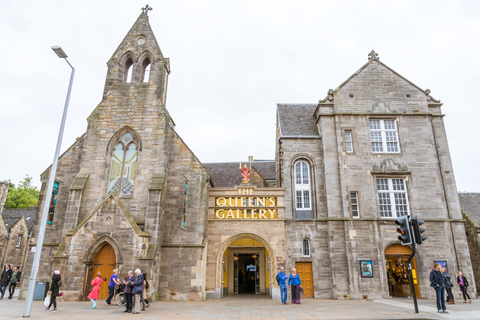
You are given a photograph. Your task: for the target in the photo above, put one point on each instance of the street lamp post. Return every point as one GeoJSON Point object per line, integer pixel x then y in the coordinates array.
{"type": "Point", "coordinates": [43, 223]}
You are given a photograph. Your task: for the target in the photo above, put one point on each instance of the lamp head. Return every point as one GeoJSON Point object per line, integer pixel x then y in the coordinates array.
{"type": "Point", "coordinates": [59, 51]}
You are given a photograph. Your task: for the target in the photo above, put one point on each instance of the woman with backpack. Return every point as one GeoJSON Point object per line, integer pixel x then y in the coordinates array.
{"type": "Point", "coordinates": [54, 290]}
{"type": "Point", "coordinates": [145, 303]}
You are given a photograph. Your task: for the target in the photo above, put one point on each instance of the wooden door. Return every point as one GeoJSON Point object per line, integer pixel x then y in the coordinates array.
{"type": "Point", "coordinates": [104, 263]}
{"type": "Point", "coordinates": [304, 270]}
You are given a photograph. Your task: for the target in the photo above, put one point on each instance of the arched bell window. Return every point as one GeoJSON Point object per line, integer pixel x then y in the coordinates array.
{"type": "Point", "coordinates": [146, 65]}
{"type": "Point", "coordinates": [123, 166]}
{"type": "Point", "coordinates": [128, 70]}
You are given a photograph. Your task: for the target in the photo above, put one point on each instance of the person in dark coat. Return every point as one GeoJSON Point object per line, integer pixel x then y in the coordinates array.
{"type": "Point", "coordinates": [54, 290]}
{"type": "Point", "coordinates": [14, 280]}
{"type": "Point", "coordinates": [437, 282]}
{"type": "Point", "coordinates": [129, 291]}
{"type": "Point", "coordinates": [463, 282]}
{"type": "Point", "coordinates": [138, 290]}
{"type": "Point", "coordinates": [5, 279]}
{"type": "Point", "coordinates": [448, 286]}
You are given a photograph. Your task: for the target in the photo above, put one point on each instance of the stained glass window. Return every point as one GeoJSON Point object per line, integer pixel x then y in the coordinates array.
{"type": "Point", "coordinates": [123, 166]}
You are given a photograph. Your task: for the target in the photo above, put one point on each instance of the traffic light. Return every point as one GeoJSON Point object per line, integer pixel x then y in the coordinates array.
{"type": "Point", "coordinates": [417, 231]}
{"type": "Point", "coordinates": [404, 229]}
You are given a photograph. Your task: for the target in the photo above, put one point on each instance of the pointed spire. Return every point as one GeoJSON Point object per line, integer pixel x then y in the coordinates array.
{"type": "Point", "coordinates": [373, 56]}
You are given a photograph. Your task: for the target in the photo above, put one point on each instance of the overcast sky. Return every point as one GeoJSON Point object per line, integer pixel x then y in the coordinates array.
{"type": "Point", "coordinates": [232, 62]}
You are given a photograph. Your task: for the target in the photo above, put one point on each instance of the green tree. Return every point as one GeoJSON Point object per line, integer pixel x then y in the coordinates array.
{"type": "Point", "coordinates": [23, 195]}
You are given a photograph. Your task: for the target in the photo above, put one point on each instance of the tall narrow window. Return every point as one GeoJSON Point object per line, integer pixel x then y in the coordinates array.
{"type": "Point", "coordinates": [146, 70]}
{"type": "Point", "coordinates": [184, 213]}
{"type": "Point", "coordinates": [384, 136]}
{"type": "Point", "coordinates": [354, 204]}
{"type": "Point", "coordinates": [392, 197]}
{"type": "Point", "coordinates": [302, 186]}
{"type": "Point", "coordinates": [128, 70]}
{"type": "Point", "coordinates": [19, 240]}
{"type": "Point", "coordinates": [306, 248]}
{"type": "Point", "coordinates": [348, 141]}
{"type": "Point", "coordinates": [123, 166]}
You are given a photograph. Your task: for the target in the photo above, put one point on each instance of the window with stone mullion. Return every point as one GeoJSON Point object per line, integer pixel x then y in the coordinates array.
{"type": "Point", "coordinates": [302, 186]}
{"type": "Point", "coordinates": [392, 197]}
{"type": "Point", "coordinates": [384, 136]}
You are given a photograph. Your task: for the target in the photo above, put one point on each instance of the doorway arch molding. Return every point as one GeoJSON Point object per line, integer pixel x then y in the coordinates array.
{"type": "Point", "coordinates": [239, 236]}
{"type": "Point", "coordinates": [98, 244]}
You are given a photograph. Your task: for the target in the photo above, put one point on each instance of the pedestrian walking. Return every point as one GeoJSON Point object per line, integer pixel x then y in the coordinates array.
{"type": "Point", "coordinates": [111, 287]}
{"type": "Point", "coordinates": [95, 291]}
{"type": "Point", "coordinates": [448, 286]}
{"type": "Point", "coordinates": [282, 282]}
{"type": "Point", "coordinates": [14, 280]}
{"type": "Point", "coordinates": [295, 283]}
{"type": "Point", "coordinates": [129, 291]}
{"type": "Point", "coordinates": [5, 279]}
{"type": "Point", "coordinates": [146, 285]}
{"type": "Point", "coordinates": [138, 290]}
{"type": "Point", "coordinates": [463, 282]}
{"type": "Point", "coordinates": [437, 281]}
{"type": "Point", "coordinates": [54, 290]}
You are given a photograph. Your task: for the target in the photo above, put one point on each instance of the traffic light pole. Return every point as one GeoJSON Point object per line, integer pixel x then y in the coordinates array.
{"type": "Point", "coordinates": [412, 286]}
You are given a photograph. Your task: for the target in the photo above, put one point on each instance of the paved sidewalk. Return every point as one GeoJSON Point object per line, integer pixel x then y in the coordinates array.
{"type": "Point", "coordinates": [249, 308]}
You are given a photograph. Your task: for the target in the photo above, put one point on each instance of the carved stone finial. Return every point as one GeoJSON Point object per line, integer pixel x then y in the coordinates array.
{"type": "Point", "coordinates": [146, 9]}
{"type": "Point", "coordinates": [373, 56]}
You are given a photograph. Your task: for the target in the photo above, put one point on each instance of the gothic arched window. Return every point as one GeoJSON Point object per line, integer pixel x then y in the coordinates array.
{"type": "Point", "coordinates": [306, 248]}
{"type": "Point", "coordinates": [128, 70]}
{"type": "Point", "coordinates": [302, 186]}
{"type": "Point", "coordinates": [123, 166]}
{"type": "Point", "coordinates": [146, 65]}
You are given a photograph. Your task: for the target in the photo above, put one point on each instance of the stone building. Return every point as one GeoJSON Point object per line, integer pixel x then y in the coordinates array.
{"type": "Point", "coordinates": [129, 193]}
{"type": "Point", "coordinates": [470, 203]}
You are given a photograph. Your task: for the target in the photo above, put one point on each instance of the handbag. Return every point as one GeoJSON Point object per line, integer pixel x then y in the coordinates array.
{"type": "Point", "coordinates": [301, 291]}
{"type": "Point", "coordinates": [13, 280]}
{"type": "Point", "coordinates": [46, 302]}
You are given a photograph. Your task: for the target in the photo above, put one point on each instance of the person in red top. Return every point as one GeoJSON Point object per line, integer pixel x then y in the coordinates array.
{"type": "Point", "coordinates": [93, 296]}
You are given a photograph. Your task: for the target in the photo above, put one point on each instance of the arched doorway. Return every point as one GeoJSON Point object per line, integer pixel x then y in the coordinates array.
{"type": "Point", "coordinates": [245, 264]}
{"type": "Point", "coordinates": [396, 259]}
{"type": "Point", "coordinates": [104, 263]}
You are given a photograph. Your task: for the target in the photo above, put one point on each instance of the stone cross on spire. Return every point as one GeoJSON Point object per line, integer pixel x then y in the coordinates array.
{"type": "Point", "coordinates": [146, 9]}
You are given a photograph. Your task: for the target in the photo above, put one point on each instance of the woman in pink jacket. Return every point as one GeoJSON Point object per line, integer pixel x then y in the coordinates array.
{"type": "Point", "coordinates": [93, 296]}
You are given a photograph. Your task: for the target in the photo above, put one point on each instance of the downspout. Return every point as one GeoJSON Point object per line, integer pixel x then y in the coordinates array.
{"type": "Point", "coordinates": [444, 192]}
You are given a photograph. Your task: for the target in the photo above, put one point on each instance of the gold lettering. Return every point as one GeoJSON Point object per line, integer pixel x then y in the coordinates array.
{"type": "Point", "coordinates": [251, 191]}
{"type": "Point", "coordinates": [245, 213]}
{"type": "Point", "coordinates": [238, 214]}
{"type": "Point", "coordinates": [244, 191]}
{"type": "Point", "coordinates": [217, 214]}
{"type": "Point", "coordinates": [254, 213]}
{"type": "Point", "coordinates": [272, 201]}
{"type": "Point", "coordinates": [242, 202]}
{"type": "Point", "coordinates": [221, 202]}
{"type": "Point", "coordinates": [272, 212]}
{"type": "Point", "coordinates": [251, 202]}
{"type": "Point", "coordinates": [260, 202]}
{"type": "Point", "coordinates": [230, 214]}
{"type": "Point", "coordinates": [230, 201]}
{"type": "Point", "coordinates": [261, 214]}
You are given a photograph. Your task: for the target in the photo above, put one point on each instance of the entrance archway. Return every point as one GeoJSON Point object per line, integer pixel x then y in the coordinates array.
{"type": "Point", "coordinates": [104, 263]}
{"type": "Point", "coordinates": [396, 259]}
{"type": "Point", "coordinates": [234, 256]}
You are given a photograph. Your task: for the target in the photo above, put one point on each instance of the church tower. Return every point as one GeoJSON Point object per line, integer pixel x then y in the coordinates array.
{"type": "Point", "coordinates": [131, 194]}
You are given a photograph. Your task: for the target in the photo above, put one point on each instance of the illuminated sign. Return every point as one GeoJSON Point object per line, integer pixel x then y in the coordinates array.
{"type": "Point", "coordinates": [246, 206]}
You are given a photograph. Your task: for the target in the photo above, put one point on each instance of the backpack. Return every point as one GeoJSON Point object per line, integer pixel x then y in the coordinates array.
{"type": "Point", "coordinates": [59, 283]}
{"type": "Point", "coordinates": [278, 279]}
{"type": "Point", "coordinates": [146, 284]}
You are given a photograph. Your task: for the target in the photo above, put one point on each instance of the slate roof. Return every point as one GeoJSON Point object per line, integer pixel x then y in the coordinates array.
{"type": "Point", "coordinates": [470, 203]}
{"type": "Point", "coordinates": [228, 175]}
{"type": "Point", "coordinates": [11, 216]}
{"type": "Point", "coordinates": [297, 120]}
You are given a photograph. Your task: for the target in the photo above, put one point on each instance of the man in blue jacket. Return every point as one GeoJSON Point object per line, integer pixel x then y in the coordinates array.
{"type": "Point", "coordinates": [437, 281]}
{"type": "Point", "coordinates": [282, 282]}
